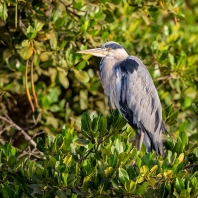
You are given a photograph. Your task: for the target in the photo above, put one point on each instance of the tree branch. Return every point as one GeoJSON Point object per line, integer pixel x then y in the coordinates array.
{"type": "Point", "coordinates": [27, 137]}
{"type": "Point", "coordinates": [190, 166]}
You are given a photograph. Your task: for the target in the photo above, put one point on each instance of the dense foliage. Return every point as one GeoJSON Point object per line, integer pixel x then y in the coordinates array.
{"type": "Point", "coordinates": [45, 87]}
{"type": "Point", "coordinates": [100, 163]}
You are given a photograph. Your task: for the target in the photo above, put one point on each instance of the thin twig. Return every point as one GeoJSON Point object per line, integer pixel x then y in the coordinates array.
{"type": "Point", "coordinates": [26, 86]}
{"type": "Point", "coordinates": [37, 154]}
{"type": "Point", "coordinates": [190, 166]}
{"type": "Point", "coordinates": [161, 78]}
{"type": "Point", "coordinates": [2, 130]}
{"type": "Point", "coordinates": [70, 12]}
{"type": "Point", "coordinates": [1, 95]}
{"type": "Point", "coordinates": [2, 141]}
{"type": "Point", "coordinates": [164, 82]}
{"type": "Point", "coordinates": [83, 158]}
{"type": "Point", "coordinates": [71, 118]}
{"type": "Point", "coordinates": [27, 137]}
{"type": "Point", "coordinates": [32, 82]}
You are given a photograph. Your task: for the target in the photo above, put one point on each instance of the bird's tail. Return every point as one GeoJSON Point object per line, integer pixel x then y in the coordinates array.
{"type": "Point", "coordinates": [153, 141]}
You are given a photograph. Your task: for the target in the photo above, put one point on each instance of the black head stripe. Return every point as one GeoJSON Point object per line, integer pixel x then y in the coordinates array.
{"type": "Point", "coordinates": [112, 45]}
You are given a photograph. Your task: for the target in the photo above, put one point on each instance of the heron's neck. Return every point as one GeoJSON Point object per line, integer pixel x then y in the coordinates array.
{"type": "Point", "coordinates": [107, 65]}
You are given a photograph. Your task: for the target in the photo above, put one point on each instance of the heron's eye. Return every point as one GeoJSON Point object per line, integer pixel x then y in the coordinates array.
{"type": "Point", "coordinates": [109, 49]}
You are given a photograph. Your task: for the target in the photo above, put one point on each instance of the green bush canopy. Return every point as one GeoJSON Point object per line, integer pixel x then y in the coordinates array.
{"type": "Point", "coordinates": [58, 137]}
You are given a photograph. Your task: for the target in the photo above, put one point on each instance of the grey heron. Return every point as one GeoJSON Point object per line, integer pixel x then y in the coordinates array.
{"type": "Point", "coordinates": [130, 88]}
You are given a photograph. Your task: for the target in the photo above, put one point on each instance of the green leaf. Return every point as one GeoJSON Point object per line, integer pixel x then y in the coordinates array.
{"type": "Point", "coordinates": [63, 45]}
{"type": "Point", "coordinates": [171, 121]}
{"type": "Point", "coordinates": [39, 46]}
{"type": "Point", "coordinates": [195, 152]}
{"type": "Point", "coordinates": [184, 138]}
{"type": "Point", "coordinates": [83, 99]}
{"type": "Point", "coordinates": [178, 3]}
{"type": "Point", "coordinates": [81, 65]}
{"type": "Point", "coordinates": [109, 171]}
{"type": "Point", "coordinates": [71, 180]}
{"type": "Point", "coordinates": [178, 146]}
{"type": "Point", "coordinates": [115, 184]}
{"type": "Point", "coordinates": [36, 60]}
{"type": "Point", "coordinates": [168, 174]}
{"type": "Point", "coordinates": [142, 188]}
{"type": "Point", "coordinates": [64, 178]}
{"type": "Point", "coordinates": [81, 142]}
{"type": "Point", "coordinates": [184, 194]}
{"type": "Point", "coordinates": [130, 186]}
{"type": "Point", "coordinates": [123, 157]}
{"type": "Point", "coordinates": [195, 107]}
{"type": "Point", "coordinates": [82, 76]}
{"type": "Point", "coordinates": [26, 52]}
{"type": "Point", "coordinates": [181, 61]}
{"type": "Point", "coordinates": [52, 162]}
{"type": "Point", "coordinates": [109, 17]}
{"type": "Point", "coordinates": [68, 159]}
{"type": "Point", "coordinates": [168, 110]}
{"type": "Point", "coordinates": [7, 192]}
{"type": "Point", "coordinates": [63, 80]}
{"type": "Point", "coordinates": [138, 160]}
{"type": "Point", "coordinates": [53, 94]}
{"type": "Point", "coordinates": [40, 144]}
{"type": "Point", "coordinates": [3, 11]}
{"type": "Point", "coordinates": [102, 125]}
{"type": "Point", "coordinates": [86, 123]}
{"type": "Point", "coordinates": [174, 114]}
{"type": "Point", "coordinates": [31, 32]}
{"type": "Point", "coordinates": [154, 169]}
{"type": "Point", "coordinates": [105, 36]}
{"type": "Point", "coordinates": [45, 56]}
{"type": "Point", "coordinates": [144, 170]}
{"type": "Point", "coordinates": [53, 42]}
{"type": "Point", "coordinates": [123, 175]}
{"type": "Point", "coordinates": [179, 185]}
{"type": "Point", "coordinates": [119, 146]}
{"type": "Point", "coordinates": [163, 56]}
{"type": "Point", "coordinates": [151, 181]}
{"type": "Point", "coordinates": [12, 161]}
{"type": "Point", "coordinates": [95, 124]}
{"type": "Point", "coordinates": [169, 144]}
{"type": "Point", "coordinates": [113, 160]}
{"type": "Point", "coordinates": [38, 25]}
{"type": "Point", "coordinates": [25, 43]}
{"type": "Point", "coordinates": [171, 59]}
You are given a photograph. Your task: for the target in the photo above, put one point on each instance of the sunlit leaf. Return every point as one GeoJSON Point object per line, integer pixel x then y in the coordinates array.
{"type": "Point", "coordinates": [81, 142]}
{"type": "Point", "coordinates": [26, 53]}
{"type": "Point", "coordinates": [123, 175]}
{"type": "Point", "coordinates": [3, 11]}
{"type": "Point", "coordinates": [81, 75]}
{"type": "Point", "coordinates": [130, 186]}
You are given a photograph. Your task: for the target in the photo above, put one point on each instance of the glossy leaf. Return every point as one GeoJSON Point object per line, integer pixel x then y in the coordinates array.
{"type": "Point", "coordinates": [123, 175]}
{"type": "Point", "coordinates": [81, 142]}
{"type": "Point", "coordinates": [26, 53]}
{"type": "Point", "coordinates": [82, 76]}
{"type": "Point", "coordinates": [130, 186]}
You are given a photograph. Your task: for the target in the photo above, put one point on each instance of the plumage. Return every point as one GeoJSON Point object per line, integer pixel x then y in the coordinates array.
{"type": "Point", "coordinates": [130, 88]}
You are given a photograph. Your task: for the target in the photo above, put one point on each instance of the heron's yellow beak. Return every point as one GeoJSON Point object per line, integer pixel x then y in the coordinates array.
{"type": "Point", "coordinates": [96, 52]}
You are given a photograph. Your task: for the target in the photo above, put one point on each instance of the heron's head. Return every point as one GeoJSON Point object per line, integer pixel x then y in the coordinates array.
{"type": "Point", "coordinates": [109, 49]}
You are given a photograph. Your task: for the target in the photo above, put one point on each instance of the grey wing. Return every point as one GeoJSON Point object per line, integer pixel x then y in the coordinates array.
{"type": "Point", "coordinates": [138, 101]}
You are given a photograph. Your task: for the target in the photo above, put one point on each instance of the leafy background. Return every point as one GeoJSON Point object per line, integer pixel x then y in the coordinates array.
{"type": "Point", "coordinates": [45, 86]}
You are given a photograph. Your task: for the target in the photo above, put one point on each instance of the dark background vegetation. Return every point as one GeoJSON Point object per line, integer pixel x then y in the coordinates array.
{"type": "Point", "coordinates": [45, 87]}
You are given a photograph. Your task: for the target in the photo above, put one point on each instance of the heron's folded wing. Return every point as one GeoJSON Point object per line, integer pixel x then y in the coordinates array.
{"type": "Point", "coordinates": [136, 95]}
